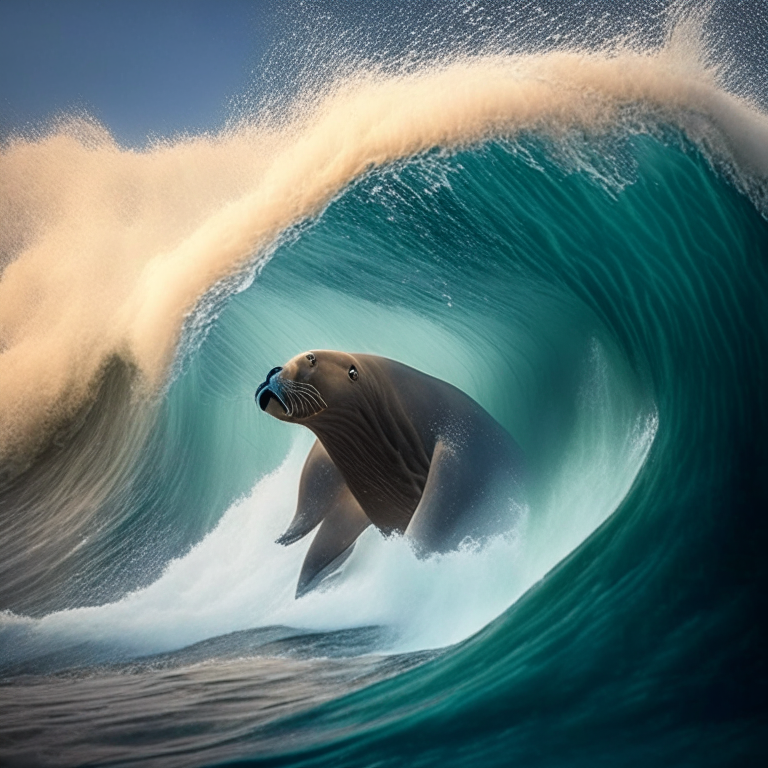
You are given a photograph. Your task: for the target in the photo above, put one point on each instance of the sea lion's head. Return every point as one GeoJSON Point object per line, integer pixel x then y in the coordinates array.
{"type": "Point", "coordinates": [309, 384]}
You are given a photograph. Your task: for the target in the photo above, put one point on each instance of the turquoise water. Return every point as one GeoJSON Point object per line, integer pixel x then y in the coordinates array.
{"type": "Point", "coordinates": [578, 241]}
{"type": "Point", "coordinates": [644, 645]}
{"type": "Point", "coordinates": [604, 300]}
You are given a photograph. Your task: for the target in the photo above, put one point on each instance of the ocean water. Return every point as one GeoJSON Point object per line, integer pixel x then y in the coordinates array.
{"type": "Point", "coordinates": [577, 238]}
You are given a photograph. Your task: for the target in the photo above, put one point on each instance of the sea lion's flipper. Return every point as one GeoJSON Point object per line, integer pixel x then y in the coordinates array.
{"type": "Point", "coordinates": [333, 542]}
{"type": "Point", "coordinates": [320, 488]}
{"type": "Point", "coordinates": [469, 494]}
{"type": "Point", "coordinates": [439, 505]}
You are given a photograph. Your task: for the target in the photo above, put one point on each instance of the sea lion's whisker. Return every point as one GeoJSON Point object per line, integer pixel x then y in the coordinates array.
{"type": "Point", "coordinates": [311, 397]}
{"type": "Point", "coordinates": [307, 394]}
{"type": "Point", "coordinates": [311, 392]}
{"type": "Point", "coordinates": [303, 404]}
{"type": "Point", "coordinates": [310, 408]}
{"type": "Point", "coordinates": [295, 405]}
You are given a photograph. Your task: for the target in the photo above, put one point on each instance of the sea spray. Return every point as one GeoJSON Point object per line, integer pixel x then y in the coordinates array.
{"type": "Point", "coordinates": [124, 243]}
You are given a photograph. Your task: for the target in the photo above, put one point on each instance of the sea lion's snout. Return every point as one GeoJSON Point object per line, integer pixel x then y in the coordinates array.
{"type": "Point", "coordinates": [269, 391]}
{"type": "Point", "coordinates": [288, 393]}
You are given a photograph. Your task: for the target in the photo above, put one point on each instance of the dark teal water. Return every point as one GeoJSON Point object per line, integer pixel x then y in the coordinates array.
{"type": "Point", "coordinates": [646, 645]}
{"type": "Point", "coordinates": [605, 300]}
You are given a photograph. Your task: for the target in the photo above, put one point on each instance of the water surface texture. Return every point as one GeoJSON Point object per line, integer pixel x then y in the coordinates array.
{"type": "Point", "coordinates": [572, 232]}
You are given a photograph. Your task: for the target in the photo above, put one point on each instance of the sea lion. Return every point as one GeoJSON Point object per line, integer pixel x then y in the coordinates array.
{"type": "Point", "coordinates": [396, 448]}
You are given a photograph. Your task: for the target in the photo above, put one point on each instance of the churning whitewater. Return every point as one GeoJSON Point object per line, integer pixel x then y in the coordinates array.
{"type": "Point", "coordinates": [575, 238]}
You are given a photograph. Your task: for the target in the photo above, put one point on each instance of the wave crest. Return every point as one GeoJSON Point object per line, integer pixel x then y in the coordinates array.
{"type": "Point", "coordinates": [107, 251]}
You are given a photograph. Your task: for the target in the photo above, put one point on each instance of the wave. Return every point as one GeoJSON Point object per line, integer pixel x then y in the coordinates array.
{"type": "Point", "coordinates": [576, 239]}
{"type": "Point", "coordinates": [112, 263]}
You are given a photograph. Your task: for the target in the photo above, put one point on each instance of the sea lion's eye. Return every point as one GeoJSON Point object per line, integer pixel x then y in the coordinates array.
{"type": "Point", "coordinates": [353, 373]}
{"type": "Point", "coordinates": [312, 359]}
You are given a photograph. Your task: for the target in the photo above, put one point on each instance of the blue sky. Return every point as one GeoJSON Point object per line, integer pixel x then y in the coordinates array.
{"type": "Point", "coordinates": [141, 67]}
{"type": "Point", "coordinates": [158, 67]}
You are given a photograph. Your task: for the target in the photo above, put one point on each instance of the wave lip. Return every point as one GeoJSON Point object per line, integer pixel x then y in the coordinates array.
{"type": "Point", "coordinates": [114, 262]}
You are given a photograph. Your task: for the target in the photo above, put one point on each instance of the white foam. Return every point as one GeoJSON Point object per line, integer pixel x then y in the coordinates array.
{"type": "Point", "coordinates": [238, 578]}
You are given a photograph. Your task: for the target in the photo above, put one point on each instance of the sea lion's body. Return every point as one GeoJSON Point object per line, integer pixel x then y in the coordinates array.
{"type": "Point", "coordinates": [396, 448]}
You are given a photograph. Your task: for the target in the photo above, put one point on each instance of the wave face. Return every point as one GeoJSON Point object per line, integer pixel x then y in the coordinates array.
{"type": "Point", "coordinates": [576, 240]}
